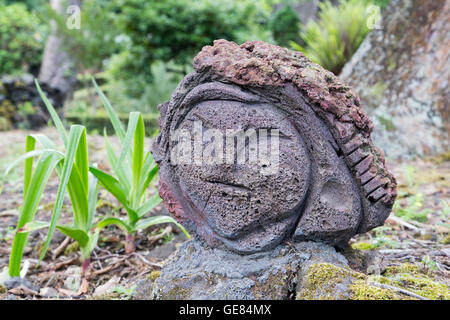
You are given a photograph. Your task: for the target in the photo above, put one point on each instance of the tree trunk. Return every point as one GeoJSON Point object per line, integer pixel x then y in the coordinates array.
{"type": "Point", "coordinates": [58, 70]}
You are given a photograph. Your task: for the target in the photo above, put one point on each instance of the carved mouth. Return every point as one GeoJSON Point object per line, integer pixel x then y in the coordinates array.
{"type": "Point", "coordinates": [229, 184]}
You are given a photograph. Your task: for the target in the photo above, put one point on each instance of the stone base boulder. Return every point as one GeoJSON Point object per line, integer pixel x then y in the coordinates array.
{"type": "Point", "coordinates": [306, 270]}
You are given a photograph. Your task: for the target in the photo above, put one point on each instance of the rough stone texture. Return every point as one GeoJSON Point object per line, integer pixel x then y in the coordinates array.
{"type": "Point", "coordinates": [332, 181]}
{"type": "Point", "coordinates": [402, 74]}
{"type": "Point", "coordinates": [197, 271]}
{"type": "Point", "coordinates": [18, 90]}
{"type": "Point", "coordinates": [302, 271]}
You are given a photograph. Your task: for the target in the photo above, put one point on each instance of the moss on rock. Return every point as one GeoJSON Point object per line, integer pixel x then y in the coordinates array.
{"type": "Point", "coordinates": [325, 281]}
{"type": "Point", "coordinates": [153, 275]}
{"type": "Point", "coordinates": [363, 246]}
{"type": "Point", "coordinates": [361, 290]}
{"type": "Point", "coordinates": [73, 247]}
{"type": "Point", "coordinates": [446, 240]}
{"type": "Point", "coordinates": [330, 282]}
{"type": "Point", "coordinates": [3, 289]}
{"type": "Point", "coordinates": [411, 278]}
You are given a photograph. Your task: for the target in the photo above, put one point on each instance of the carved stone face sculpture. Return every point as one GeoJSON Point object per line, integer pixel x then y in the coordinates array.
{"type": "Point", "coordinates": [315, 173]}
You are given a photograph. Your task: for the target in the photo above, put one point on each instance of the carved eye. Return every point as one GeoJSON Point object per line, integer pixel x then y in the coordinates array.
{"type": "Point", "coordinates": [317, 187]}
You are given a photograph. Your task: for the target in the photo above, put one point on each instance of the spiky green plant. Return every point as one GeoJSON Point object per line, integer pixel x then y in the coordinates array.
{"type": "Point", "coordinates": [336, 35]}
{"type": "Point", "coordinates": [72, 167]}
{"type": "Point", "coordinates": [134, 170]}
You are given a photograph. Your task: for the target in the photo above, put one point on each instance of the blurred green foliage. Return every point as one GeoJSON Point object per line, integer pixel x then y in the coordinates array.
{"type": "Point", "coordinates": [285, 25]}
{"type": "Point", "coordinates": [144, 48]}
{"type": "Point", "coordinates": [30, 4]}
{"type": "Point", "coordinates": [95, 41]}
{"type": "Point", "coordinates": [175, 30]}
{"type": "Point", "coordinates": [139, 93]}
{"type": "Point", "coordinates": [22, 39]}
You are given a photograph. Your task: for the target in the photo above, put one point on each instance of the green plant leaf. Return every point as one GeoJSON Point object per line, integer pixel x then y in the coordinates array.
{"type": "Point", "coordinates": [145, 223]}
{"type": "Point", "coordinates": [30, 144]}
{"type": "Point", "coordinates": [82, 161]}
{"type": "Point", "coordinates": [75, 134]}
{"type": "Point", "coordinates": [149, 205]}
{"type": "Point", "coordinates": [93, 240]}
{"type": "Point", "coordinates": [126, 144]}
{"type": "Point", "coordinates": [113, 186]}
{"type": "Point", "coordinates": [28, 157]}
{"type": "Point", "coordinates": [33, 226]}
{"type": "Point", "coordinates": [138, 160]}
{"type": "Point", "coordinates": [92, 198]}
{"type": "Point", "coordinates": [117, 125]}
{"type": "Point", "coordinates": [45, 166]}
{"type": "Point", "coordinates": [56, 120]}
{"type": "Point", "coordinates": [77, 234]}
{"type": "Point", "coordinates": [114, 221]}
{"type": "Point", "coordinates": [123, 172]}
{"type": "Point", "coordinates": [79, 199]}
{"type": "Point", "coordinates": [44, 141]}
{"type": "Point", "coordinates": [149, 178]}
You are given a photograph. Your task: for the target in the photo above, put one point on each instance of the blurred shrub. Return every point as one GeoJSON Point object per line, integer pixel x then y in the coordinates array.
{"type": "Point", "coordinates": [140, 94]}
{"type": "Point", "coordinates": [22, 39]}
{"type": "Point", "coordinates": [336, 35]}
{"type": "Point", "coordinates": [285, 26]}
{"type": "Point", "coordinates": [99, 121]}
{"type": "Point", "coordinates": [175, 30]}
{"type": "Point", "coordinates": [381, 3]}
{"type": "Point", "coordinates": [30, 4]}
{"type": "Point", "coordinates": [137, 94]}
{"type": "Point", "coordinates": [96, 41]}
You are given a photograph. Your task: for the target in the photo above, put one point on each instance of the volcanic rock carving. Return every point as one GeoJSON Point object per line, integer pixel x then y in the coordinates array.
{"type": "Point", "coordinates": [329, 182]}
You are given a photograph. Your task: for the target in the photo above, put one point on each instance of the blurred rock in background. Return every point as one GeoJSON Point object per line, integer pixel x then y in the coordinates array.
{"type": "Point", "coordinates": [402, 74]}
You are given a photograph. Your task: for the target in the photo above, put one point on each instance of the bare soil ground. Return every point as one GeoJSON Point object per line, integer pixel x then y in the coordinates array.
{"type": "Point", "coordinates": [417, 233]}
